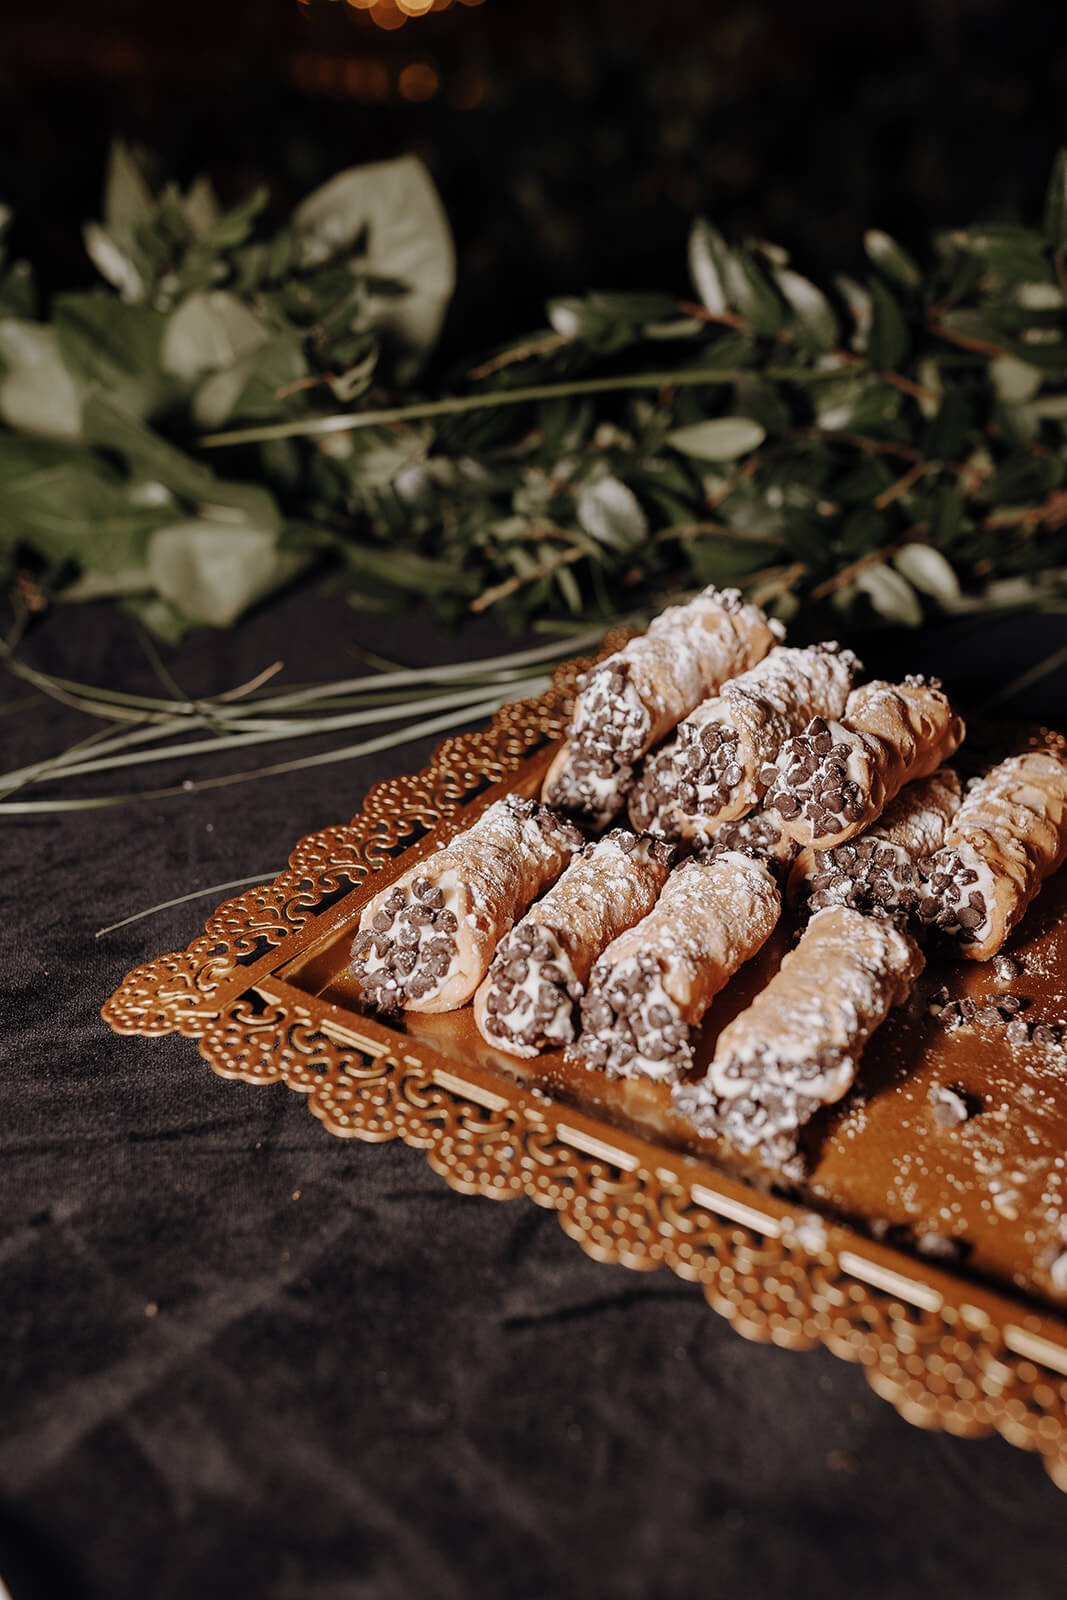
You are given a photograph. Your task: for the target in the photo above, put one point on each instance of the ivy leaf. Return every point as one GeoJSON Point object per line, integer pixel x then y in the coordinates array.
{"type": "Point", "coordinates": [891, 595]}
{"type": "Point", "coordinates": [106, 424]}
{"type": "Point", "coordinates": [127, 198]}
{"type": "Point", "coordinates": [209, 330]}
{"type": "Point", "coordinates": [1056, 203]}
{"type": "Point", "coordinates": [249, 387]}
{"type": "Point", "coordinates": [708, 255]}
{"type": "Point", "coordinates": [719, 439]}
{"type": "Point", "coordinates": [223, 231]}
{"type": "Point", "coordinates": [212, 571]}
{"type": "Point", "coordinates": [38, 395]}
{"type": "Point", "coordinates": [115, 346]}
{"type": "Point", "coordinates": [391, 210]}
{"type": "Point", "coordinates": [113, 245]}
{"type": "Point", "coordinates": [888, 342]}
{"type": "Point", "coordinates": [890, 259]}
{"type": "Point", "coordinates": [611, 514]}
{"type": "Point", "coordinates": [64, 502]}
{"type": "Point", "coordinates": [927, 570]}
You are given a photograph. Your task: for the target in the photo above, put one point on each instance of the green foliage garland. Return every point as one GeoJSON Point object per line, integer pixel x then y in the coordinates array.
{"type": "Point", "coordinates": [233, 407]}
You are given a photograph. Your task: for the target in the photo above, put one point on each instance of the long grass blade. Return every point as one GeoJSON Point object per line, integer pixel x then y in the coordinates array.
{"type": "Point", "coordinates": [183, 899]}
{"type": "Point", "coordinates": [275, 734]}
{"type": "Point", "coordinates": [389, 741]}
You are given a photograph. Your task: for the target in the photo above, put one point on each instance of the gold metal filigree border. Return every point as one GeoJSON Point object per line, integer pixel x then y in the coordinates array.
{"type": "Point", "coordinates": [945, 1353]}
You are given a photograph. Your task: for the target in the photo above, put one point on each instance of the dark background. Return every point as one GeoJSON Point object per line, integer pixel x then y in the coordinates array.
{"type": "Point", "coordinates": [573, 142]}
{"type": "Point", "coordinates": [238, 1356]}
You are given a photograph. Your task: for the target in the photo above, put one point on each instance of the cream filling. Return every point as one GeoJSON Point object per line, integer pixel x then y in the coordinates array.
{"type": "Point", "coordinates": [986, 886]}
{"type": "Point", "coordinates": [625, 709]}
{"type": "Point", "coordinates": [640, 1065]}
{"type": "Point", "coordinates": [827, 1087]}
{"type": "Point", "coordinates": [449, 885]}
{"type": "Point", "coordinates": [557, 1029]}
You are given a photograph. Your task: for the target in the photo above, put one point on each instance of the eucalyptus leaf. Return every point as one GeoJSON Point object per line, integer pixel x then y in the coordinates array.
{"type": "Point", "coordinates": [887, 344]}
{"type": "Point", "coordinates": [1015, 381]}
{"type": "Point", "coordinates": [752, 294]}
{"type": "Point", "coordinates": [611, 514]}
{"type": "Point", "coordinates": [927, 570]}
{"type": "Point", "coordinates": [891, 595]}
{"type": "Point", "coordinates": [707, 257]}
{"type": "Point", "coordinates": [814, 321]}
{"type": "Point", "coordinates": [891, 259]}
{"type": "Point", "coordinates": [718, 439]}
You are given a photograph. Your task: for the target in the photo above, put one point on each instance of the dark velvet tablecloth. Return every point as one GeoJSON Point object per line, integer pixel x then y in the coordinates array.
{"type": "Point", "coordinates": [240, 1357]}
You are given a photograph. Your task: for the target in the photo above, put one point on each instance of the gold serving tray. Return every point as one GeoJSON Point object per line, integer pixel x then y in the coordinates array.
{"type": "Point", "coordinates": [858, 1261]}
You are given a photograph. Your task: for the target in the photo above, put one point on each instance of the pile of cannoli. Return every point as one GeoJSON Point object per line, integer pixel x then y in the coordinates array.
{"type": "Point", "coordinates": [709, 774]}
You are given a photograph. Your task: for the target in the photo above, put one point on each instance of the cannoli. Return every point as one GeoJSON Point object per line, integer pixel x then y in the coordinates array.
{"type": "Point", "coordinates": [877, 872]}
{"type": "Point", "coordinates": [711, 772]}
{"type": "Point", "coordinates": [1008, 836]}
{"type": "Point", "coordinates": [425, 942]}
{"type": "Point", "coordinates": [652, 986]}
{"type": "Point", "coordinates": [632, 699]}
{"type": "Point", "coordinates": [797, 1046]}
{"type": "Point", "coordinates": [758, 834]}
{"type": "Point", "coordinates": [834, 779]}
{"type": "Point", "coordinates": [528, 1000]}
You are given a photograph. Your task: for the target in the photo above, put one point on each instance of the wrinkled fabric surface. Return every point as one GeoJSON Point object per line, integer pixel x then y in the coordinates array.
{"type": "Point", "coordinates": [238, 1356]}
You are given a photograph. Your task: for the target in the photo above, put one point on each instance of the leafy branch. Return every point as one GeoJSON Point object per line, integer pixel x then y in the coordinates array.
{"type": "Point", "coordinates": [887, 444]}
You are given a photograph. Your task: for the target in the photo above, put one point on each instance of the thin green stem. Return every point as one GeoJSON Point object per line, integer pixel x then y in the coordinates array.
{"type": "Point", "coordinates": [460, 405]}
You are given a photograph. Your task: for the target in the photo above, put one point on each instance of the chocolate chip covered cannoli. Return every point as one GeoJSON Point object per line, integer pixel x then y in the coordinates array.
{"type": "Point", "coordinates": [425, 942]}
{"type": "Point", "coordinates": [836, 778]}
{"type": "Point", "coordinates": [652, 986]}
{"type": "Point", "coordinates": [528, 1001]}
{"type": "Point", "coordinates": [758, 834]}
{"type": "Point", "coordinates": [631, 700]}
{"type": "Point", "coordinates": [877, 872]}
{"type": "Point", "coordinates": [1008, 836]}
{"type": "Point", "coordinates": [798, 1045]}
{"type": "Point", "coordinates": [712, 770]}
